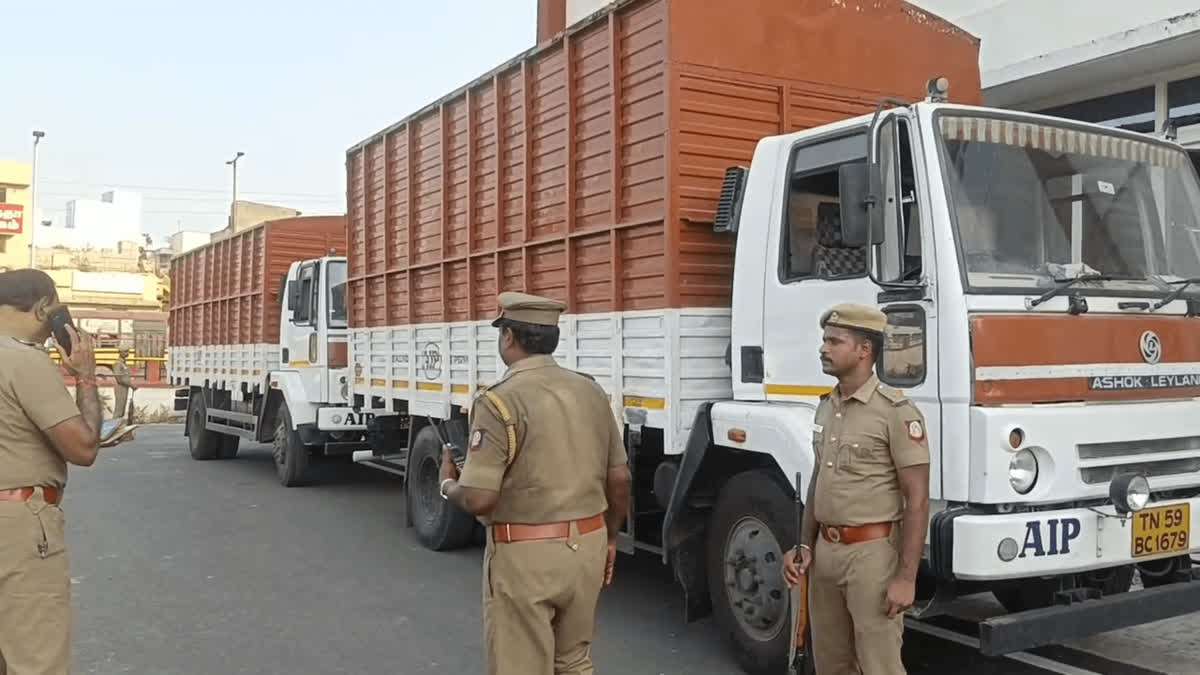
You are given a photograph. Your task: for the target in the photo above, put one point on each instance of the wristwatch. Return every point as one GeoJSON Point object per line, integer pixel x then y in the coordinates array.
{"type": "Point", "coordinates": [442, 487]}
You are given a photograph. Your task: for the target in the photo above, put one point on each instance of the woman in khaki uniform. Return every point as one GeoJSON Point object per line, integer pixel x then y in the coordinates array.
{"type": "Point", "coordinates": [41, 430]}
{"type": "Point", "coordinates": [867, 509]}
{"type": "Point", "coordinates": [547, 473]}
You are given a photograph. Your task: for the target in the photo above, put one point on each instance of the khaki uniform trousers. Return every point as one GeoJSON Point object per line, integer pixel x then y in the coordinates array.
{"type": "Point", "coordinates": [851, 631]}
{"type": "Point", "coordinates": [35, 589]}
{"type": "Point", "coordinates": [539, 603]}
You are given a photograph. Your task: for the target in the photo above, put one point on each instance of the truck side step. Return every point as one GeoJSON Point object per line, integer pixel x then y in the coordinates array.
{"type": "Point", "coordinates": [238, 424]}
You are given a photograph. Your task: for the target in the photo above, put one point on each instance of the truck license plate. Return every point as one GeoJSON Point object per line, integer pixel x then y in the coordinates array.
{"type": "Point", "coordinates": [1162, 529]}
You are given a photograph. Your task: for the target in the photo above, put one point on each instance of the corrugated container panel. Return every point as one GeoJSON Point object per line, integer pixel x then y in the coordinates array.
{"type": "Point", "coordinates": [233, 284]}
{"type": "Point", "coordinates": [588, 169]}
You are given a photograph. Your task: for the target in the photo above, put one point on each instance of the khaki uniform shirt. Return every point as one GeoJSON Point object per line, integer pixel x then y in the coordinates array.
{"type": "Point", "coordinates": [121, 373]}
{"type": "Point", "coordinates": [567, 439]}
{"type": "Point", "coordinates": [860, 444]}
{"type": "Point", "coordinates": [33, 398]}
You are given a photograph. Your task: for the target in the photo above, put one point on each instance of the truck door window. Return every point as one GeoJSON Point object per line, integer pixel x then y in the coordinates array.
{"type": "Point", "coordinates": [812, 243]}
{"type": "Point", "coordinates": [304, 311]}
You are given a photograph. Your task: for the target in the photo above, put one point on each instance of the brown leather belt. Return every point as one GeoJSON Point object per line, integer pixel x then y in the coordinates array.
{"type": "Point", "coordinates": [853, 534]}
{"type": "Point", "coordinates": [52, 495]}
{"type": "Point", "coordinates": [506, 533]}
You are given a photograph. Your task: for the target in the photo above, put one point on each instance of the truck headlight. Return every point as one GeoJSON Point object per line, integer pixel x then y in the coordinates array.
{"type": "Point", "coordinates": [1023, 471]}
{"type": "Point", "coordinates": [1129, 492]}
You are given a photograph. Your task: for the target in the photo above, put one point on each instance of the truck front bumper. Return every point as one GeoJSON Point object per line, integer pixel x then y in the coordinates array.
{"type": "Point", "coordinates": [1051, 625]}
{"type": "Point", "coordinates": [999, 546]}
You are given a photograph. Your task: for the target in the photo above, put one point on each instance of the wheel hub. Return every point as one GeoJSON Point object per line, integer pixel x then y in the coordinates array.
{"type": "Point", "coordinates": [753, 579]}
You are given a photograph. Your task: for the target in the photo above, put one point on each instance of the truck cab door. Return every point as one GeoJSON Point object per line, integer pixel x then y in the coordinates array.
{"type": "Point", "coordinates": [811, 267]}
{"type": "Point", "coordinates": [300, 332]}
{"type": "Point", "coordinates": [807, 269]}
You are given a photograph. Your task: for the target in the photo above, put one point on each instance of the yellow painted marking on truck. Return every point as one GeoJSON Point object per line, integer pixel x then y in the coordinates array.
{"type": "Point", "coordinates": [378, 382]}
{"type": "Point", "coordinates": [459, 389]}
{"type": "Point", "coordinates": [797, 389]}
{"type": "Point", "coordinates": [642, 402]}
{"type": "Point", "coordinates": [429, 386]}
{"type": "Point", "coordinates": [399, 384]}
{"type": "Point", "coordinates": [359, 380]}
{"type": "Point", "coordinates": [298, 364]}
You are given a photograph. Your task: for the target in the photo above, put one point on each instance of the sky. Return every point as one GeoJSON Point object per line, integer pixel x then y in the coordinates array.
{"type": "Point", "coordinates": [156, 96]}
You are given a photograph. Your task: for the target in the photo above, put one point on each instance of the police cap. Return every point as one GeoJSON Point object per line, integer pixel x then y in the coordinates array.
{"type": "Point", "coordinates": [529, 309]}
{"type": "Point", "coordinates": [855, 316]}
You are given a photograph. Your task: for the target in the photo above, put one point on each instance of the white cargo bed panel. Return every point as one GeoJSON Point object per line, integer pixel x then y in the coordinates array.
{"type": "Point", "coordinates": [665, 363]}
{"type": "Point", "coordinates": [222, 366]}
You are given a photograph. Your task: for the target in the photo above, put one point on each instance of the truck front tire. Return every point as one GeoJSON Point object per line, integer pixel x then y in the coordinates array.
{"type": "Point", "coordinates": [750, 528]}
{"type": "Point", "coordinates": [440, 524]}
{"type": "Point", "coordinates": [290, 454]}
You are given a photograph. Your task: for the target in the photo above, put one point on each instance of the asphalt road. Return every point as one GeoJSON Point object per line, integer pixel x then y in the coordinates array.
{"type": "Point", "coordinates": [183, 567]}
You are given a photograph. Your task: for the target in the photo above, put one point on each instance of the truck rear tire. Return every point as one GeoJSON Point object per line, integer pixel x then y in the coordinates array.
{"type": "Point", "coordinates": [750, 528]}
{"type": "Point", "coordinates": [290, 454]}
{"type": "Point", "coordinates": [203, 444]}
{"type": "Point", "coordinates": [440, 524]}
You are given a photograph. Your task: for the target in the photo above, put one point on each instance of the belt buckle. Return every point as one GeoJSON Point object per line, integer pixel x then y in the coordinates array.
{"type": "Point", "coordinates": [508, 533]}
{"type": "Point", "coordinates": [834, 533]}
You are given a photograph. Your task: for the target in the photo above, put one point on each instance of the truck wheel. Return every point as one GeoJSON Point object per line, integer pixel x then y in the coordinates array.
{"type": "Point", "coordinates": [751, 526]}
{"type": "Point", "coordinates": [203, 444]}
{"type": "Point", "coordinates": [440, 525]}
{"type": "Point", "coordinates": [291, 457]}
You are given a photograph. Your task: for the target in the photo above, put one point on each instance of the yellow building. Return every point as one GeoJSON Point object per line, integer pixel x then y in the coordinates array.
{"type": "Point", "coordinates": [16, 214]}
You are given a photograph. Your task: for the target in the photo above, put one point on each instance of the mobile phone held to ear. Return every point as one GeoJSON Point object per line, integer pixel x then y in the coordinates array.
{"type": "Point", "coordinates": [58, 321]}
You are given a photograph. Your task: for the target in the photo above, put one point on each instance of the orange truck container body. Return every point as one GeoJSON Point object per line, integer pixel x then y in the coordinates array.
{"type": "Point", "coordinates": [227, 292]}
{"type": "Point", "coordinates": [589, 169]}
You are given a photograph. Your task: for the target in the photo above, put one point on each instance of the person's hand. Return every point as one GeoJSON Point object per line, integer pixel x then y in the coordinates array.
{"type": "Point", "coordinates": [82, 361]}
{"type": "Point", "coordinates": [900, 595]}
{"type": "Point", "coordinates": [610, 562]}
{"type": "Point", "coordinates": [449, 470]}
{"type": "Point", "coordinates": [792, 572]}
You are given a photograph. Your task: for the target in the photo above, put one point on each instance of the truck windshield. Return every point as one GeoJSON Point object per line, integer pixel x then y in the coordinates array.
{"type": "Point", "coordinates": [337, 294]}
{"type": "Point", "coordinates": [1038, 200]}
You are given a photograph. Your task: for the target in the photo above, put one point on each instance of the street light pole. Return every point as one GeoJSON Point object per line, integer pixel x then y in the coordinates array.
{"type": "Point", "coordinates": [233, 205]}
{"type": "Point", "coordinates": [32, 217]}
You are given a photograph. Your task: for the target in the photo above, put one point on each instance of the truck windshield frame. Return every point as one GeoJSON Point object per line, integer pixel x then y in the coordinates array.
{"type": "Point", "coordinates": [336, 273]}
{"type": "Point", "coordinates": [1030, 196]}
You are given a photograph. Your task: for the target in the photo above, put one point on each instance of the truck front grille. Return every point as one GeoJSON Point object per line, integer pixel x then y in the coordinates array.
{"type": "Point", "coordinates": [1099, 462]}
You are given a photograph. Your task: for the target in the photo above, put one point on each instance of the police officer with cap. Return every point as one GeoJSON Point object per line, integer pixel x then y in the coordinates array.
{"type": "Point", "coordinates": [546, 472]}
{"type": "Point", "coordinates": [867, 509]}
{"type": "Point", "coordinates": [42, 429]}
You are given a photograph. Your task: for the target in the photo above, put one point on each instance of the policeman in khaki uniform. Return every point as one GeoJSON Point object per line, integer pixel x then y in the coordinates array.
{"type": "Point", "coordinates": [41, 430]}
{"type": "Point", "coordinates": [867, 509]}
{"type": "Point", "coordinates": [546, 472]}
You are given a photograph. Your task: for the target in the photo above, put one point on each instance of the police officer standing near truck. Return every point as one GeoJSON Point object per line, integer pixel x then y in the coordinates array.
{"type": "Point", "coordinates": [546, 472]}
{"type": "Point", "coordinates": [867, 509]}
{"type": "Point", "coordinates": [41, 430]}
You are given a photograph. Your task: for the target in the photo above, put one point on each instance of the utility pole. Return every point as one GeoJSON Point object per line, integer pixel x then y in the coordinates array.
{"type": "Point", "coordinates": [233, 205]}
{"type": "Point", "coordinates": [32, 216]}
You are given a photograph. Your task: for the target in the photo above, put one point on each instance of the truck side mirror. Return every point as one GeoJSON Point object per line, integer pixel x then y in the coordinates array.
{"type": "Point", "coordinates": [293, 294]}
{"type": "Point", "coordinates": [858, 186]}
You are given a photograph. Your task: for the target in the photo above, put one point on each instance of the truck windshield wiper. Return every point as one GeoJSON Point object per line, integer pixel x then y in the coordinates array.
{"type": "Point", "coordinates": [1170, 297]}
{"type": "Point", "coordinates": [1064, 284]}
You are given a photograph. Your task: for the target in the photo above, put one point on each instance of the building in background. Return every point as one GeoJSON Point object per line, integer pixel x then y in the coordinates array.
{"type": "Point", "coordinates": [16, 217]}
{"type": "Point", "coordinates": [248, 214]}
{"type": "Point", "coordinates": [186, 240]}
{"type": "Point", "coordinates": [104, 223]}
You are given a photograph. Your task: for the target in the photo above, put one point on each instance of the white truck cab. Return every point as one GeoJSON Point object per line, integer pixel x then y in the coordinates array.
{"type": "Point", "coordinates": [294, 394]}
{"type": "Point", "coordinates": [1037, 277]}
